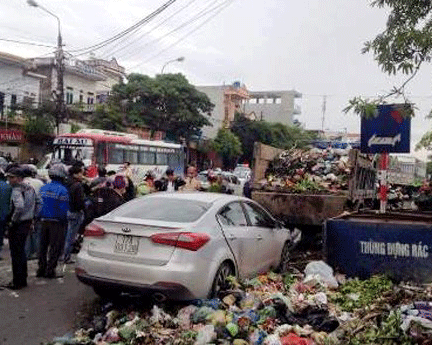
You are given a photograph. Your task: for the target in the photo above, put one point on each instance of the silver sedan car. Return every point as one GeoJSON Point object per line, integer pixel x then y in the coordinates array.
{"type": "Point", "coordinates": [181, 246]}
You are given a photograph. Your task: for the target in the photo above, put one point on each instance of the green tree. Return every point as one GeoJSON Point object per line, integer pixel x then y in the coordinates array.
{"type": "Point", "coordinates": [39, 122]}
{"type": "Point", "coordinates": [167, 103]}
{"type": "Point", "coordinates": [108, 117]}
{"type": "Point", "coordinates": [228, 146]}
{"type": "Point", "coordinates": [274, 134]}
{"type": "Point", "coordinates": [402, 47]}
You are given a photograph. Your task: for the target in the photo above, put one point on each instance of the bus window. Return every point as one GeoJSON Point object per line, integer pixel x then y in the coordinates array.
{"type": "Point", "coordinates": [174, 159]}
{"type": "Point", "coordinates": [147, 158]}
{"type": "Point", "coordinates": [100, 154]}
{"type": "Point", "coordinates": [131, 156]}
{"type": "Point", "coordinates": [116, 156]}
{"type": "Point", "coordinates": [161, 158]}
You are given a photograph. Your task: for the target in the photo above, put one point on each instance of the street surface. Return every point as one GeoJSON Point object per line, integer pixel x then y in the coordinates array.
{"type": "Point", "coordinates": [47, 308]}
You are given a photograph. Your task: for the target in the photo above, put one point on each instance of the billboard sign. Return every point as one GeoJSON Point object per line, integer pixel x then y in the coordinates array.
{"type": "Point", "coordinates": [11, 136]}
{"type": "Point", "coordinates": [388, 131]}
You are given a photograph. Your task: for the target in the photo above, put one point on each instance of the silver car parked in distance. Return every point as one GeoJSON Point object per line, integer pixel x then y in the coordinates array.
{"type": "Point", "coordinates": [181, 246]}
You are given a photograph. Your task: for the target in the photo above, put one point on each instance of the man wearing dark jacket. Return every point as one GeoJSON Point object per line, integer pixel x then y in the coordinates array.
{"type": "Point", "coordinates": [171, 183]}
{"type": "Point", "coordinates": [53, 220]}
{"type": "Point", "coordinates": [76, 209]}
{"type": "Point", "coordinates": [5, 196]}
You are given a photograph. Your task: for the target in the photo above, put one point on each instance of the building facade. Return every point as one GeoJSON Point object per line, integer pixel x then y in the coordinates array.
{"type": "Point", "coordinates": [113, 73]}
{"type": "Point", "coordinates": [18, 84]}
{"type": "Point", "coordinates": [273, 106]}
{"type": "Point", "coordinates": [406, 170]}
{"type": "Point", "coordinates": [80, 82]}
{"type": "Point", "coordinates": [228, 99]}
{"type": "Point", "coordinates": [270, 106]}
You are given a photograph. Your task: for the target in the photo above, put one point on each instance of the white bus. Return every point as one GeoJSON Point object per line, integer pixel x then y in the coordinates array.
{"type": "Point", "coordinates": [111, 150]}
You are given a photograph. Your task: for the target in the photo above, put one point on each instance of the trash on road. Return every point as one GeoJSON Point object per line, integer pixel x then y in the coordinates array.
{"type": "Point", "coordinates": [274, 309]}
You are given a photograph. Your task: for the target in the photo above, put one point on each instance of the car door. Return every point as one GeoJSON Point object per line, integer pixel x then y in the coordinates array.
{"type": "Point", "coordinates": [267, 234]}
{"type": "Point", "coordinates": [240, 237]}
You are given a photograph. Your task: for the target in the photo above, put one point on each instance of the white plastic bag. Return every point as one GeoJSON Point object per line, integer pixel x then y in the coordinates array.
{"type": "Point", "coordinates": [323, 271]}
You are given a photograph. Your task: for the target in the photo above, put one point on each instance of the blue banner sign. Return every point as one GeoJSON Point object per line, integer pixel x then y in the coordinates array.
{"type": "Point", "coordinates": [389, 131]}
{"type": "Point", "coordinates": [400, 249]}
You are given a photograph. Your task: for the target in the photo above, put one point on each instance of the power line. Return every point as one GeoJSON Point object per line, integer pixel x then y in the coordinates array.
{"type": "Point", "coordinates": [125, 32]}
{"type": "Point", "coordinates": [193, 19]}
{"type": "Point", "coordinates": [221, 8]}
{"type": "Point", "coordinates": [27, 43]}
{"type": "Point", "coordinates": [147, 32]}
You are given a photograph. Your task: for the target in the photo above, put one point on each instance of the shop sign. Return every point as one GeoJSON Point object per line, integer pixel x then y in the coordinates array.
{"type": "Point", "coordinates": [11, 135]}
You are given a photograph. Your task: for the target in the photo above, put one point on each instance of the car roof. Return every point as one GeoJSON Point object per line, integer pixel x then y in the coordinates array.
{"type": "Point", "coordinates": [199, 196]}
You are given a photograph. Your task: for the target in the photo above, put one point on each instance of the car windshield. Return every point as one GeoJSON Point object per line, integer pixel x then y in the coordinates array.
{"type": "Point", "coordinates": [163, 209]}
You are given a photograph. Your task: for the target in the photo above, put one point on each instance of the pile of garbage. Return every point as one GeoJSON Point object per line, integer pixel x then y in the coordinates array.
{"type": "Point", "coordinates": [310, 308]}
{"type": "Point", "coordinates": [314, 170]}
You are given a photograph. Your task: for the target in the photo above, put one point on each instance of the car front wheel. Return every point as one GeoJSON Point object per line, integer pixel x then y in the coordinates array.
{"type": "Point", "coordinates": [220, 282]}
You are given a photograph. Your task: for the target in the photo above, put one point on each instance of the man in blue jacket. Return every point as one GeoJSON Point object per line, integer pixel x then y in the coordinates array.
{"type": "Point", "coordinates": [5, 196]}
{"type": "Point", "coordinates": [53, 218]}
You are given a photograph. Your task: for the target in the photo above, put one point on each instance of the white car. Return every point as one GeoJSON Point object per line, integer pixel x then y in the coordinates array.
{"type": "Point", "coordinates": [181, 246]}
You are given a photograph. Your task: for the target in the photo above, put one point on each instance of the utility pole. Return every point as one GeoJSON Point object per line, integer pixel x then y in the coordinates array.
{"type": "Point", "coordinates": [324, 106]}
{"type": "Point", "coordinates": [59, 65]}
{"type": "Point", "coordinates": [60, 76]}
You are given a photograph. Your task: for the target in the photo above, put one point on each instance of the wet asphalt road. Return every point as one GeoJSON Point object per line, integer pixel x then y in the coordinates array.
{"type": "Point", "coordinates": [47, 308]}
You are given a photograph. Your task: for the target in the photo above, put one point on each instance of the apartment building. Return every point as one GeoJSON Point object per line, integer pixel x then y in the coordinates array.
{"type": "Point", "coordinates": [270, 106]}
{"type": "Point", "coordinates": [18, 84]}
{"type": "Point", "coordinates": [273, 106]}
{"type": "Point", "coordinates": [228, 99]}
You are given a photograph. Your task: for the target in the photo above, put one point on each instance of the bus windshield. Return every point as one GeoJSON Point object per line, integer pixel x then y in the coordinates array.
{"type": "Point", "coordinates": [68, 154]}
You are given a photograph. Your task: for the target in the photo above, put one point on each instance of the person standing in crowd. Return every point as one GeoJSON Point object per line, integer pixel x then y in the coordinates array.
{"type": "Point", "coordinates": [147, 186]}
{"type": "Point", "coordinates": [171, 183]}
{"type": "Point", "coordinates": [126, 170]}
{"type": "Point", "coordinates": [33, 240]}
{"type": "Point", "coordinates": [107, 198]}
{"type": "Point", "coordinates": [192, 183]}
{"type": "Point", "coordinates": [100, 180]}
{"type": "Point", "coordinates": [215, 184]}
{"type": "Point", "coordinates": [5, 196]}
{"type": "Point", "coordinates": [53, 220]}
{"type": "Point", "coordinates": [130, 192]}
{"type": "Point", "coordinates": [25, 205]}
{"type": "Point", "coordinates": [76, 209]}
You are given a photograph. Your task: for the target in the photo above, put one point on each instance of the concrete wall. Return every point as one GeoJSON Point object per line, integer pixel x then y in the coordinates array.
{"type": "Point", "coordinates": [273, 106]}
{"type": "Point", "coordinates": [14, 82]}
{"type": "Point", "coordinates": [78, 84]}
{"type": "Point", "coordinates": [263, 155]}
{"type": "Point", "coordinates": [216, 96]}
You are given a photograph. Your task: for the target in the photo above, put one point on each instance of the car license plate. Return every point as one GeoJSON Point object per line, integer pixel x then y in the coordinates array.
{"type": "Point", "coordinates": [126, 244]}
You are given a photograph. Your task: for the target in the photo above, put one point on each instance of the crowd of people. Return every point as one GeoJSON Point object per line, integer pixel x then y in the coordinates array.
{"type": "Point", "coordinates": [45, 219]}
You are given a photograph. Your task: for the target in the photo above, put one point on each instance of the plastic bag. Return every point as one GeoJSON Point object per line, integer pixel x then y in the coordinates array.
{"type": "Point", "coordinates": [323, 271]}
{"type": "Point", "coordinates": [205, 335]}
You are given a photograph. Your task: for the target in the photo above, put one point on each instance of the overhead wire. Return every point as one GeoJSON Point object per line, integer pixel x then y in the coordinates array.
{"type": "Point", "coordinates": [122, 34]}
{"type": "Point", "coordinates": [27, 43]}
{"type": "Point", "coordinates": [206, 21]}
{"type": "Point", "coordinates": [105, 54]}
{"type": "Point", "coordinates": [191, 20]}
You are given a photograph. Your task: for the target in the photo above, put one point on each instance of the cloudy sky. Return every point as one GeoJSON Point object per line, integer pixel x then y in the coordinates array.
{"type": "Point", "coordinates": [312, 46]}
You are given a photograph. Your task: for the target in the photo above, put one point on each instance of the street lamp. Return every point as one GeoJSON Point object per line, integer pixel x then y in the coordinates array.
{"type": "Point", "coordinates": [59, 67]}
{"type": "Point", "coordinates": [180, 59]}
